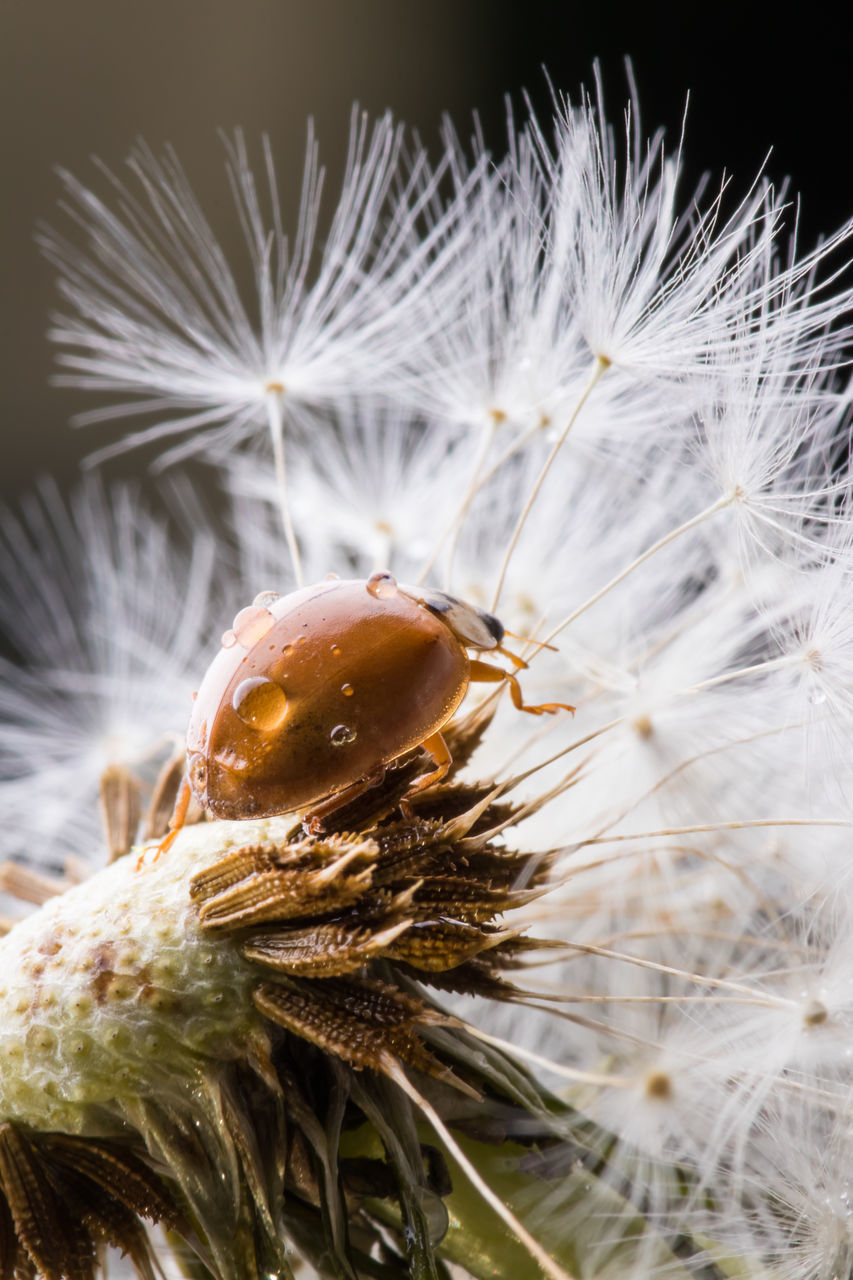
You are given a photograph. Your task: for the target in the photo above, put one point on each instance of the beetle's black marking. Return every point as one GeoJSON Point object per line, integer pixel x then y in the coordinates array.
{"type": "Point", "coordinates": [493, 625]}
{"type": "Point", "coordinates": [437, 602]}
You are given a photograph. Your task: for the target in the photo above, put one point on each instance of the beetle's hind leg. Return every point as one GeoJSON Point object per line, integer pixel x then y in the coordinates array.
{"type": "Point", "coordinates": [486, 673]}
{"type": "Point", "coordinates": [442, 759]}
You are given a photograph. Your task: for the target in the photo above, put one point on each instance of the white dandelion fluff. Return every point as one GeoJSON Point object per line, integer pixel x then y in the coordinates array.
{"type": "Point", "coordinates": [109, 622]}
{"type": "Point", "coordinates": [614, 415]}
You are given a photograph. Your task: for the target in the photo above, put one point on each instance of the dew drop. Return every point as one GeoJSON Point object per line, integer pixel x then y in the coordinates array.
{"type": "Point", "coordinates": [817, 697]}
{"type": "Point", "coordinates": [382, 585]}
{"type": "Point", "coordinates": [251, 624]}
{"type": "Point", "coordinates": [333, 577]}
{"type": "Point", "coordinates": [266, 598]}
{"type": "Point", "coordinates": [260, 703]}
{"type": "Point", "coordinates": [347, 690]}
{"type": "Point", "coordinates": [335, 651]}
{"type": "Point", "coordinates": [341, 735]}
{"type": "Point", "coordinates": [228, 639]}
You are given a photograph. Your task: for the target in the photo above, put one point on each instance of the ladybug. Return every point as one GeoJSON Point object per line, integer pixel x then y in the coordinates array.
{"type": "Point", "coordinates": [313, 694]}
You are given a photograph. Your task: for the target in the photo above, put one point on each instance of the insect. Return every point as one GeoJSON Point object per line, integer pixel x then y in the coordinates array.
{"type": "Point", "coordinates": [313, 694]}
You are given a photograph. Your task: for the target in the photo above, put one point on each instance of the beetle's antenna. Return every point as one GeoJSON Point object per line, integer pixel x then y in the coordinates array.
{"type": "Point", "coordinates": [600, 364]}
{"type": "Point", "coordinates": [540, 644]}
{"type": "Point", "coordinates": [274, 398]}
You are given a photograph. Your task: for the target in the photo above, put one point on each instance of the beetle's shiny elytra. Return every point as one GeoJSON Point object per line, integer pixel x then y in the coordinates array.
{"type": "Point", "coordinates": [313, 694]}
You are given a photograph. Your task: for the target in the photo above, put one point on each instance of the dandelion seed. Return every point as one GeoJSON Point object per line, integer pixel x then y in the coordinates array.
{"type": "Point", "coordinates": [157, 310]}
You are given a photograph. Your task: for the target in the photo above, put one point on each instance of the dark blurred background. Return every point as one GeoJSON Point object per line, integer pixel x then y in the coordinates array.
{"type": "Point", "coordinates": [87, 77]}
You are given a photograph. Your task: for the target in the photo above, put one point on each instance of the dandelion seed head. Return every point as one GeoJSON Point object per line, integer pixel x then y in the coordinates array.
{"type": "Point", "coordinates": [565, 391]}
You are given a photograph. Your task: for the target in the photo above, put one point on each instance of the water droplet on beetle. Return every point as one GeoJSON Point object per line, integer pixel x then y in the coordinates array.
{"type": "Point", "coordinates": [341, 735]}
{"type": "Point", "coordinates": [382, 585]}
{"type": "Point", "coordinates": [260, 703]}
{"type": "Point", "coordinates": [228, 639]}
{"type": "Point", "coordinates": [347, 690]}
{"type": "Point", "coordinates": [266, 598]}
{"type": "Point", "coordinates": [252, 624]}
{"type": "Point", "coordinates": [335, 651]}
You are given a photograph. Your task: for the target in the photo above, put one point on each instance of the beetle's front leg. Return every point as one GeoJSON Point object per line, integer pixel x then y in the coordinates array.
{"type": "Point", "coordinates": [179, 817]}
{"type": "Point", "coordinates": [486, 673]}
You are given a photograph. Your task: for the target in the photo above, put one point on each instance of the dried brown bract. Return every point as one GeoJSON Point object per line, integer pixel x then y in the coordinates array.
{"type": "Point", "coordinates": [235, 1039]}
{"type": "Point", "coordinates": [344, 922]}
{"type": "Point", "coordinates": [62, 1197]}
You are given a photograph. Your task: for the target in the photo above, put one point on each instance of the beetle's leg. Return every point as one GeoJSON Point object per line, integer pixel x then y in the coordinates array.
{"type": "Point", "coordinates": [442, 759]}
{"type": "Point", "coordinates": [314, 820]}
{"type": "Point", "coordinates": [486, 673]}
{"type": "Point", "coordinates": [177, 820]}
{"type": "Point", "coordinates": [518, 662]}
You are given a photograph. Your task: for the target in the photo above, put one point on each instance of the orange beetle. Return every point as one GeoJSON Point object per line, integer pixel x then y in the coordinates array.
{"type": "Point", "coordinates": [314, 693]}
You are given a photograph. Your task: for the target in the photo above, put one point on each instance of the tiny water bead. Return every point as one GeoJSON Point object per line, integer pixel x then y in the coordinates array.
{"type": "Point", "coordinates": [252, 624]}
{"type": "Point", "coordinates": [341, 735]}
{"type": "Point", "coordinates": [347, 690]}
{"type": "Point", "coordinates": [228, 640]}
{"type": "Point", "coordinates": [260, 703]}
{"type": "Point", "coordinates": [266, 598]}
{"type": "Point", "coordinates": [335, 651]}
{"type": "Point", "coordinates": [381, 585]}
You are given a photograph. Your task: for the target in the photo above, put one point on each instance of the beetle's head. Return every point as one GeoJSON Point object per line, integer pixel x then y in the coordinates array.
{"type": "Point", "coordinates": [472, 626]}
{"type": "Point", "coordinates": [219, 788]}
